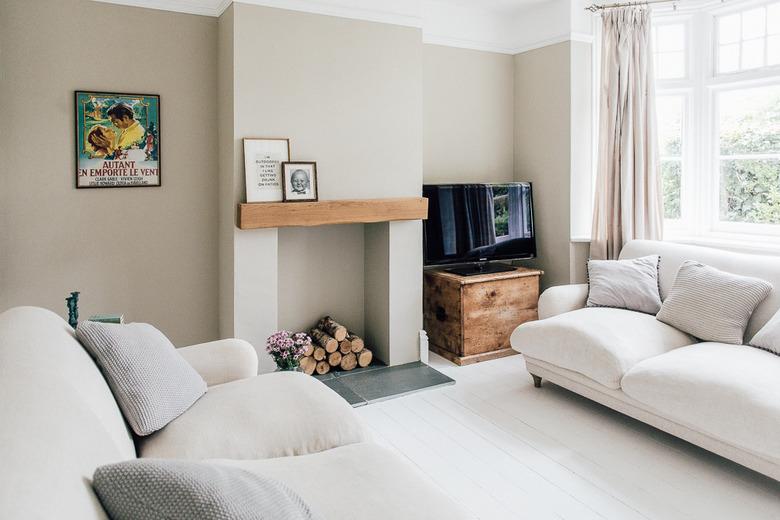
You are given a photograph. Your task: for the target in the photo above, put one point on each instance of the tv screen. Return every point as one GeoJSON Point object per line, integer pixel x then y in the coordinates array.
{"type": "Point", "coordinates": [478, 222]}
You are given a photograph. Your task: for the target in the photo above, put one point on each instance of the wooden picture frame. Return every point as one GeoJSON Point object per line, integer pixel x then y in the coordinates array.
{"type": "Point", "coordinates": [118, 140]}
{"type": "Point", "coordinates": [300, 181]}
{"type": "Point", "coordinates": [263, 158]}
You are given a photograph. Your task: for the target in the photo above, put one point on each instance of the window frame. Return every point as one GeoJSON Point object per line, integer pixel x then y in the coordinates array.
{"type": "Point", "coordinates": [700, 180]}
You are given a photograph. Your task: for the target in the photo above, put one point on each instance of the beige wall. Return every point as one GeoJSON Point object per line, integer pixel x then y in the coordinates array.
{"type": "Point", "coordinates": [553, 135]}
{"type": "Point", "coordinates": [147, 252]}
{"type": "Point", "coordinates": [349, 95]}
{"type": "Point", "coordinates": [542, 151]}
{"type": "Point", "coordinates": [468, 123]}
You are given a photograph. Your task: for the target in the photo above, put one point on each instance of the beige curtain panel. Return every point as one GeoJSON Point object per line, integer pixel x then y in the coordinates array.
{"type": "Point", "coordinates": [629, 201]}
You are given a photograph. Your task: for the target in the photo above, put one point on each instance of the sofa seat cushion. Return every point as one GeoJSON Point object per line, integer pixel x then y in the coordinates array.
{"type": "Point", "coordinates": [729, 392]}
{"type": "Point", "coordinates": [599, 343]}
{"type": "Point", "coordinates": [381, 484]}
{"type": "Point", "coordinates": [270, 415]}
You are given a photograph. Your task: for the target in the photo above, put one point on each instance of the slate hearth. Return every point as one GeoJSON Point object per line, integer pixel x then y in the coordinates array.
{"type": "Point", "coordinates": [378, 382]}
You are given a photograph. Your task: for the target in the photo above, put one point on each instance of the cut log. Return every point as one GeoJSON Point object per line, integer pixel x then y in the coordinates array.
{"type": "Point", "coordinates": [357, 343]}
{"type": "Point", "coordinates": [332, 327]}
{"type": "Point", "coordinates": [319, 354]}
{"type": "Point", "coordinates": [334, 358]}
{"type": "Point", "coordinates": [348, 361]}
{"type": "Point", "coordinates": [345, 347]}
{"type": "Point", "coordinates": [364, 357]}
{"type": "Point", "coordinates": [324, 340]}
{"type": "Point", "coordinates": [309, 350]}
{"type": "Point", "coordinates": [322, 367]}
{"type": "Point", "coordinates": [308, 364]}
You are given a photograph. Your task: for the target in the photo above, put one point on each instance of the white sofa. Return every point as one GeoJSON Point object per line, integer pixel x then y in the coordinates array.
{"type": "Point", "coordinates": [724, 398]}
{"type": "Point", "coordinates": [59, 421]}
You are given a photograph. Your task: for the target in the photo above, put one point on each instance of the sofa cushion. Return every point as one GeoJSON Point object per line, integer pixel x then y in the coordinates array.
{"type": "Point", "coordinates": [768, 338]}
{"type": "Point", "coordinates": [270, 415]}
{"type": "Point", "coordinates": [379, 484]}
{"type": "Point", "coordinates": [711, 304]}
{"type": "Point", "coordinates": [600, 343]}
{"type": "Point", "coordinates": [151, 489]}
{"type": "Point", "coordinates": [765, 267]}
{"type": "Point", "coordinates": [152, 383]}
{"type": "Point", "coordinates": [729, 392]}
{"type": "Point", "coordinates": [630, 284]}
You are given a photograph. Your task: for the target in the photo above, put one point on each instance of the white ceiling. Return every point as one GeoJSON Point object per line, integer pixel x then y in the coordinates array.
{"type": "Point", "coordinates": [496, 6]}
{"type": "Point", "coordinates": [505, 26]}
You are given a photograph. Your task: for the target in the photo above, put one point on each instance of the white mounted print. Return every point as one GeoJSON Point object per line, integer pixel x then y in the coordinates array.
{"type": "Point", "coordinates": [263, 158]}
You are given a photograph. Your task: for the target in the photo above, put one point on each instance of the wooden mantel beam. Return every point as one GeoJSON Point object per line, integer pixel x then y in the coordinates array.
{"type": "Point", "coordinates": [285, 214]}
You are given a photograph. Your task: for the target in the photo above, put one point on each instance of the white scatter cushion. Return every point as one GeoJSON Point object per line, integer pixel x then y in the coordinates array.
{"type": "Point", "coordinates": [768, 338]}
{"type": "Point", "coordinates": [712, 305]}
{"type": "Point", "coordinates": [151, 382]}
{"type": "Point", "coordinates": [625, 284]}
{"type": "Point", "coordinates": [153, 489]}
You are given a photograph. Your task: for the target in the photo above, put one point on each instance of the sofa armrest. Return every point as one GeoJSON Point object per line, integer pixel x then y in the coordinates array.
{"type": "Point", "coordinates": [222, 361]}
{"type": "Point", "coordinates": [562, 298]}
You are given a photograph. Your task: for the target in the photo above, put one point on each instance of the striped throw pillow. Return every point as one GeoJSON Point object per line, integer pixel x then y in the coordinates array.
{"type": "Point", "coordinates": [711, 304]}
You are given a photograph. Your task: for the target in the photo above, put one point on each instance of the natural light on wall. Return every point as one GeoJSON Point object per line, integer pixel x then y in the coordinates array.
{"type": "Point", "coordinates": [718, 107]}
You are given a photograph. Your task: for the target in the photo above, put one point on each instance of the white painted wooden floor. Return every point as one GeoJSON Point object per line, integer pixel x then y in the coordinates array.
{"type": "Point", "coordinates": [504, 449]}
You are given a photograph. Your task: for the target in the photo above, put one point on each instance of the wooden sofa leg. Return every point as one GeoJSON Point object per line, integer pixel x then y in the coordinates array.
{"type": "Point", "coordinates": [537, 381]}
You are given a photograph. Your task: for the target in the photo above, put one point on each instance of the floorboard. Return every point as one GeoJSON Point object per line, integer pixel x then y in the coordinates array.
{"type": "Point", "coordinates": [506, 450]}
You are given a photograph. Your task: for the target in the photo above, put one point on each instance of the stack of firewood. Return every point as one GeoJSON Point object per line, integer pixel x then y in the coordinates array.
{"type": "Point", "coordinates": [334, 348]}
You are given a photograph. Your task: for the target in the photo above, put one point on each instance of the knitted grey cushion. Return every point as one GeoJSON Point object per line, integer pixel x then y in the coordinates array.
{"type": "Point", "coordinates": [768, 338]}
{"type": "Point", "coordinates": [152, 383]}
{"type": "Point", "coordinates": [154, 489]}
{"type": "Point", "coordinates": [625, 284]}
{"type": "Point", "coordinates": [711, 304]}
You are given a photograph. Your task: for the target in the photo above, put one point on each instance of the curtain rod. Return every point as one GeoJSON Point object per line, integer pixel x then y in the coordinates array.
{"type": "Point", "coordinates": [596, 7]}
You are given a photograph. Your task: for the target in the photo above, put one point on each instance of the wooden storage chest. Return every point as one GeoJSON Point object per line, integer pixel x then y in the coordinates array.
{"type": "Point", "coordinates": [470, 318]}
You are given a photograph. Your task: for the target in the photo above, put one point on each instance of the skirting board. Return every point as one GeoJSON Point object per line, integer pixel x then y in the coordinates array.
{"type": "Point", "coordinates": [620, 402]}
{"type": "Point", "coordinates": [474, 358]}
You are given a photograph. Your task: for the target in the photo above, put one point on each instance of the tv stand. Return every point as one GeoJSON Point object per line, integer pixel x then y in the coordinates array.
{"type": "Point", "coordinates": [470, 318]}
{"type": "Point", "coordinates": [482, 268]}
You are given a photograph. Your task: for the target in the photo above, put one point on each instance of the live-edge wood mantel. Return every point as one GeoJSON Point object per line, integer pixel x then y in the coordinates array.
{"type": "Point", "coordinates": [285, 214]}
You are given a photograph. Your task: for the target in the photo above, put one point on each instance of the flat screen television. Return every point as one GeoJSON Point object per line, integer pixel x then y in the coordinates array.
{"type": "Point", "coordinates": [476, 223]}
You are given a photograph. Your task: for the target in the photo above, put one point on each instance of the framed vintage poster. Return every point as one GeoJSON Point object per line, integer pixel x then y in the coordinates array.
{"type": "Point", "coordinates": [263, 158]}
{"type": "Point", "coordinates": [117, 140]}
{"type": "Point", "coordinates": [300, 181]}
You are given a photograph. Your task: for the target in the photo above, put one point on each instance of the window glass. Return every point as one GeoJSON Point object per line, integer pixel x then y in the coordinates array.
{"type": "Point", "coordinates": [669, 51]}
{"type": "Point", "coordinates": [748, 39]}
{"type": "Point", "coordinates": [670, 110]}
{"type": "Point", "coordinates": [749, 160]}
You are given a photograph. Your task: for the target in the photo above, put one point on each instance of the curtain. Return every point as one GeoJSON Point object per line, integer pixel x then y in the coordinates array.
{"type": "Point", "coordinates": [628, 203]}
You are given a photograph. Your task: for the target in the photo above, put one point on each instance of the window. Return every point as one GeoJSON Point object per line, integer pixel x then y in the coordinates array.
{"type": "Point", "coordinates": [748, 39]}
{"type": "Point", "coordinates": [749, 162]}
{"type": "Point", "coordinates": [669, 51]}
{"type": "Point", "coordinates": [670, 134]}
{"type": "Point", "coordinates": [718, 114]}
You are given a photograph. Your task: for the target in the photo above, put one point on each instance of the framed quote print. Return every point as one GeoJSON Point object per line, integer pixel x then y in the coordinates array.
{"type": "Point", "coordinates": [263, 158]}
{"type": "Point", "coordinates": [117, 140]}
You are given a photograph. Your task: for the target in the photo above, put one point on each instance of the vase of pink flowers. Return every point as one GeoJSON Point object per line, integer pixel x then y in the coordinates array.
{"type": "Point", "coordinates": [287, 349]}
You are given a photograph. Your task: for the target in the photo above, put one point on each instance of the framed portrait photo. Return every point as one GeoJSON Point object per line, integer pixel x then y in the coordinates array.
{"type": "Point", "coordinates": [300, 181]}
{"type": "Point", "coordinates": [263, 158]}
{"type": "Point", "coordinates": [117, 140]}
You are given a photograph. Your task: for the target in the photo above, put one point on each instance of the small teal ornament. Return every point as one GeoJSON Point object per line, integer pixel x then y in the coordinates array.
{"type": "Point", "coordinates": [73, 308]}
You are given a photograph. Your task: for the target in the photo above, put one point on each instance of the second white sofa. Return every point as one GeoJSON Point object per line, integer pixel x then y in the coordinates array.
{"type": "Point", "coordinates": [721, 397]}
{"type": "Point", "coordinates": [60, 422]}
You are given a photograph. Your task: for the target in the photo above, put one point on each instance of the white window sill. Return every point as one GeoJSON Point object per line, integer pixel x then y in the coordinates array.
{"type": "Point", "coordinates": [759, 247]}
